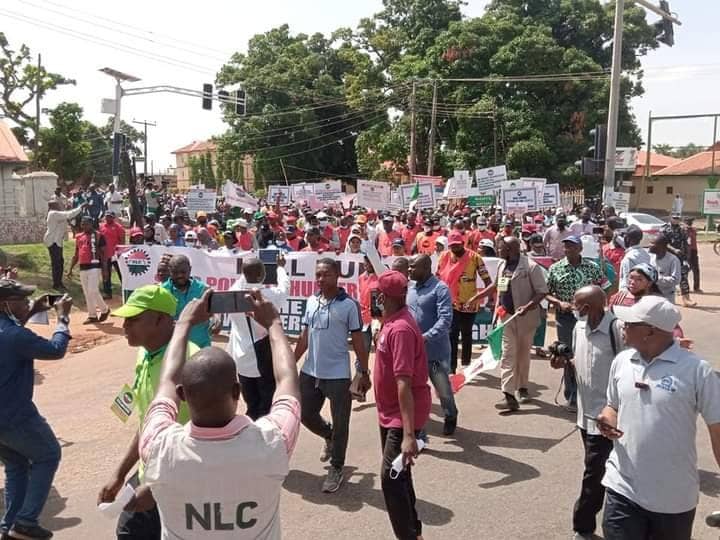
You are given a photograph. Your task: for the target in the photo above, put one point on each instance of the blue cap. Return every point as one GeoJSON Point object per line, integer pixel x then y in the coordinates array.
{"type": "Point", "coordinates": [398, 242]}
{"type": "Point", "coordinates": [647, 270]}
{"type": "Point", "coordinates": [574, 239]}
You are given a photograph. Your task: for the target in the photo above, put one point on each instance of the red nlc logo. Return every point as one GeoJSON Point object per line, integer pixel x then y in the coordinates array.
{"type": "Point", "coordinates": [138, 261]}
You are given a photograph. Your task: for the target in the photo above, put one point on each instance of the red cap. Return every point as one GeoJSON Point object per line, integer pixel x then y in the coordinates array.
{"type": "Point", "coordinates": [539, 219]}
{"type": "Point", "coordinates": [136, 231]}
{"type": "Point", "coordinates": [272, 215]}
{"type": "Point", "coordinates": [455, 238]}
{"type": "Point", "coordinates": [457, 213]}
{"type": "Point", "coordinates": [393, 283]}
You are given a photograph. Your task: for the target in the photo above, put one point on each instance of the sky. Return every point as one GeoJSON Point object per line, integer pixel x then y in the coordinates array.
{"type": "Point", "coordinates": [76, 38]}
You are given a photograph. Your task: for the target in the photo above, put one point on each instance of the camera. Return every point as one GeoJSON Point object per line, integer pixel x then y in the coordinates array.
{"type": "Point", "coordinates": [560, 353]}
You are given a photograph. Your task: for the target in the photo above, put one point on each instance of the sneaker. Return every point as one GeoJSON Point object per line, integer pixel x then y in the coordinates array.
{"type": "Point", "coordinates": [449, 426]}
{"type": "Point", "coordinates": [509, 404]}
{"type": "Point", "coordinates": [582, 536]}
{"type": "Point", "coordinates": [4, 534]}
{"type": "Point", "coordinates": [333, 480]}
{"type": "Point", "coordinates": [523, 395]}
{"type": "Point", "coordinates": [713, 520]}
{"type": "Point", "coordinates": [29, 532]}
{"type": "Point", "coordinates": [326, 451]}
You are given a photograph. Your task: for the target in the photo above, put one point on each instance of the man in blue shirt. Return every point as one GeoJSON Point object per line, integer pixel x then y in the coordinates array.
{"type": "Point", "coordinates": [28, 447]}
{"type": "Point", "coordinates": [330, 315]}
{"type": "Point", "coordinates": [430, 303]}
{"type": "Point", "coordinates": [184, 288]}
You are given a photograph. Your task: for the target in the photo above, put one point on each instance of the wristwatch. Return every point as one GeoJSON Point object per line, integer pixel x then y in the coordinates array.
{"type": "Point", "coordinates": [64, 319]}
{"type": "Point", "coordinates": [360, 370]}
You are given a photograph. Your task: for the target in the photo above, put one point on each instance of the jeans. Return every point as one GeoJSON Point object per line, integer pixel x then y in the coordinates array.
{"type": "Point", "coordinates": [258, 392]}
{"type": "Point", "coordinates": [462, 323]}
{"type": "Point", "coordinates": [399, 493]}
{"type": "Point", "coordinates": [31, 455]}
{"type": "Point", "coordinates": [57, 263]}
{"type": "Point", "coordinates": [565, 325]}
{"type": "Point", "coordinates": [684, 279]}
{"type": "Point", "coordinates": [438, 372]}
{"type": "Point", "coordinates": [625, 520]}
{"type": "Point", "coordinates": [107, 275]}
{"type": "Point", "coordinates": [313, 393]}
{"type": "Point", "coordinates": [592, 492]}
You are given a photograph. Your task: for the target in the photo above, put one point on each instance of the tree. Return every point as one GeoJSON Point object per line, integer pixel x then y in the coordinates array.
{"type": "Point", "coordinates": [22, 82]}
{"type": "Point", "coordinates": [64, 148]}
{"type": "Point", "coordinates": [680, 152]}
{"type": "Point", "coordinates": [196, 165]}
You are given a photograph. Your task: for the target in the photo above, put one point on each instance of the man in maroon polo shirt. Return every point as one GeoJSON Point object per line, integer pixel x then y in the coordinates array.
{"type": "Point", "coordinates": [403, 400]}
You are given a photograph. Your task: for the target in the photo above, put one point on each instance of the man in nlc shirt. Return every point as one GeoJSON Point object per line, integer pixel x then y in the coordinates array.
{"type": "Point", "coordinates": [89, 252]}
{"type": "Point", "coordinates": [220, 477]}
{"type": "Point", "coordinates": [148, 324]}
{"type": "Point", "coordinates": [330, 315]}
{"type": "Point", "coordinates": [114, 235]}
{"type": "Point", "coordinates": [403, 400]}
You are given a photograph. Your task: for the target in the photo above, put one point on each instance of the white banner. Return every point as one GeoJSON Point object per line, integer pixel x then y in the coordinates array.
{"type": "Point", "coordinates": [276, 191]}
{"type": "Point", "coordinates": [302, 191]}
{"type": "Point", "coordinates": [537, 183]}
{"type": "Point", "coordinates": [625, 159]}
{"type": "Point", "coordinates": [488, 180]}
{"type": "Point", "coordinates": [330, 190]}
{"type": "Point", "coordinates": [372, 194]}
{"type": "Point", "coordinates": [138, 266]}
{"type": "Point", "coordinates": [711, 202]}
{"type": "Point", "coordinates": [426, 198]}
{"type": "Point", "coordinates": [519, 200]}
{"type": "Point", "coordinates": [551, 196]}
{"type": "Point", "coordinates": [235, 195]}
{"type": "Point", "coordinates": [462, 185]}
{"type": "Point", "coordinates": [200, 200]}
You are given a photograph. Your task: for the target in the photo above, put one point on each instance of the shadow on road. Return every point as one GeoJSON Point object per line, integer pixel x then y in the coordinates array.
{"type": "Point", "coordinates": [49, 517]}
{"type": "Point", "coordinates": [356, 492]}
{"type": "Point", "coordinates": [709, 483]}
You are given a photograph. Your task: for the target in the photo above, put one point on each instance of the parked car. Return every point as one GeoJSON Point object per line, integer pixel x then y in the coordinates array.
{"type": "Point", "coordinates": [649, 225]}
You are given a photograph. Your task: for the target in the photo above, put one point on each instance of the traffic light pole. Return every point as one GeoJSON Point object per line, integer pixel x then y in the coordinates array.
{"type": "Point", "coordinates": [614, 106]}
{"type": "Point", "coordinates": [116, 130]}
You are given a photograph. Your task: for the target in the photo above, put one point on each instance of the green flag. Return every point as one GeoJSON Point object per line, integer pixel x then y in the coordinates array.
{"type": "Point", "coordinates": [494, 339]}
{"type": "Point", "coordinates": [416, 192]}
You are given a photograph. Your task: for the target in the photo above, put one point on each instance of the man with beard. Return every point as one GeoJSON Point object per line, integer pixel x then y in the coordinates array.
{"type": "Point", "coordinates": [554, 237]}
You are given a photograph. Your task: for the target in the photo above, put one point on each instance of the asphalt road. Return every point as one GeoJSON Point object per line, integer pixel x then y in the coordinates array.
{"type": "Point", "coordinates": [499, 477]}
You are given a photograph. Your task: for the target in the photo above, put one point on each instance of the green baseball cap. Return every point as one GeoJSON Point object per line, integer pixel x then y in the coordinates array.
{"type": "Point", "coordinates": [148, 298]}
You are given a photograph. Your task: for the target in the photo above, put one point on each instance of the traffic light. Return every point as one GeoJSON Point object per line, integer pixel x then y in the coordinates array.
{"type": "Point", "coordinates": [207, 97]}
{"type": "Point", "coordinates": [594, 164]}
{"type": "Point", "coordinates": [664, 28]}
{"type": "Point", "coordinates": [240, 102]}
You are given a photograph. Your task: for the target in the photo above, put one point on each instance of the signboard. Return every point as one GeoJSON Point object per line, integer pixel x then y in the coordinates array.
{"type": "Point", "coordinates": [537, 183]}
{"type": "Point", "coordinates": [551, 196]}
{"type": "Point", "coordinates": [200, 200]}
{"type": "Point", "coordinates": [481, 201]}
{"type": "Point", "coordinates": [625, 159]}
{"type": "Point", "coordinates": [711, 202]}
{"type": "Point", "coordinates": [302, 191]}
{"type": "Point", "coordinates": [512, 184]}
{"type": "Point", "coordinates": [620, 201]}
{"type": "Point", "coordinates": [235, 195]}
{"type": "Point", "coordinates": [372, 194]}
{"type": "Point", "coordinates": [462, 185]}
{"type": "Point", "coordinates": [520, 199]}
{"type": "Point", "coordinates": [276, 191]}
{"type": "Point", "coordinates": [426, 198]}
{"type": "Point", "coordinates": [489, 179]}
{"type": "Point", "coordinates": [330, 190]}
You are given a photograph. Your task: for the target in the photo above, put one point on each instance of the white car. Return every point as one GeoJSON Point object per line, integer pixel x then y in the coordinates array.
{"type": "Point", "coordinates": [649, 225]}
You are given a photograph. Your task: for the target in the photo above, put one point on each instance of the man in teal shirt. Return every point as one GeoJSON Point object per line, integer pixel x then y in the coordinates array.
{"type": "Point", "coordinates": [184, 288]}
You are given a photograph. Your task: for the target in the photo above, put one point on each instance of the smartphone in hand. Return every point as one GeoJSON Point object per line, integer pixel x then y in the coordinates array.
{"type": "Point", "coordinates": [605, 425]}
{"type": "Point", "coordinates": [230, 302]}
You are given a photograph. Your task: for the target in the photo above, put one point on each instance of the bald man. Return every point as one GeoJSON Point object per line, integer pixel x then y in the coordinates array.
{"type": "Point", "coordinates": [597, 338]}
{"type": "Point", "coordinates": [225, 472]}
{"type": "Point", "coordinates": [520, 286]}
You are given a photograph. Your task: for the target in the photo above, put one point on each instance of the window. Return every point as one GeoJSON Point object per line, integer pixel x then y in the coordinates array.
{"type": "Point", "coordinates": [669, 190]}
{"type": "Point", "coordinates": [632, 189]}
{"type": "Point", "coordinates": [650, 190]}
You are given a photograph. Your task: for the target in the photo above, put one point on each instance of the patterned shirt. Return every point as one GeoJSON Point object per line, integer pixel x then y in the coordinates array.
{"type": "Point", "coordinates": [564, 278]}
{"type": "Point", "coordinates": [677, 238]}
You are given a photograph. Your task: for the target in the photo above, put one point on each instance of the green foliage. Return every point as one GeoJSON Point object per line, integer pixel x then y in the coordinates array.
{"type": "Point", "coordinates": [20, 83]}
{"type": "Point", "coordinates": [680, 152]}
{"type": "Point", "coordinates": [64, 148]}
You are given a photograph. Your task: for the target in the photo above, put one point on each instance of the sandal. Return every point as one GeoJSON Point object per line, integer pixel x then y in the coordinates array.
{"type": "Point", "coordinates": [91, 320]}
{"type": "Point", "coordinates": [104, 316]}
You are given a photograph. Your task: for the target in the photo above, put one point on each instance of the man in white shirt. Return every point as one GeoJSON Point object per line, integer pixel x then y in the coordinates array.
{"type": "Point", "coordinates": [583, 226]}
{"type": "Point", "coordinates": [597, 338]}
{"type": "Point", "coordinates": [221, 475]}
{"type": "Point", "coordinates": [57, 226]}
{"type": "Point", "coordinates": [634, 254]}
{"type": "Point", "coordinates": [667, 265]}
{"type": "Point", "coordinates": [113, 200]}
{"type": "Point", "coordinates": [249, 343]}
{"type": "Point", "coordinates": [655, 392]}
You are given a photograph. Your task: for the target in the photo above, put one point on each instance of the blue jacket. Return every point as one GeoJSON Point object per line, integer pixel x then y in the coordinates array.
{"type": "Point", "coordinates": [19, 347]}
{"type": "Point", "coordinates": [430, 303]}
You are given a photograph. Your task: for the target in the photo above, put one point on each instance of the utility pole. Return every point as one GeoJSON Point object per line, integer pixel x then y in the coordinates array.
{"type": "Point", "coordinates": [145, 123]}
{"type": "Point", "coordinates": [614, 107]}
{"type": "Point", "coordinates": [412, 131]}
{"type": "Point", "coordinates": [433, 123]}
{"type": "Point", "coordinates": [36, 143]}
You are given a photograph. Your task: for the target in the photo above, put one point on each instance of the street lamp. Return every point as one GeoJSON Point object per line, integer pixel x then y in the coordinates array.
{"type": "Point", "coordinates": [119, 77]}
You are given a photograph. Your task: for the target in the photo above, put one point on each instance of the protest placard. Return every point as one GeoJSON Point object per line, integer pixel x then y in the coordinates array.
{"type": "Point", "coordinates": [283, 192]}
{"type": "Point", "coordinates": [515, 200]}
{"type": "Point", "coordinates": [372, 194]}
{"type": "Point", "coordinates": [488, 180]}
{"type": "Point", "coordinates": [462, 185]}
{"type": "Point", "coordinates": [200, 200]}
{"type": "Point", "coordinates": [551, 196]}
{"type": "Point", "coordinates": [537, 183]}
{"type": "Point", "coordinates": [426, 195]}
{"type": "Point", "coordinates": [235, 195]}
{"type": "Point", "coordinates": [302, 192]}
{"type": "Point", "coordinates": [329, 190]}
